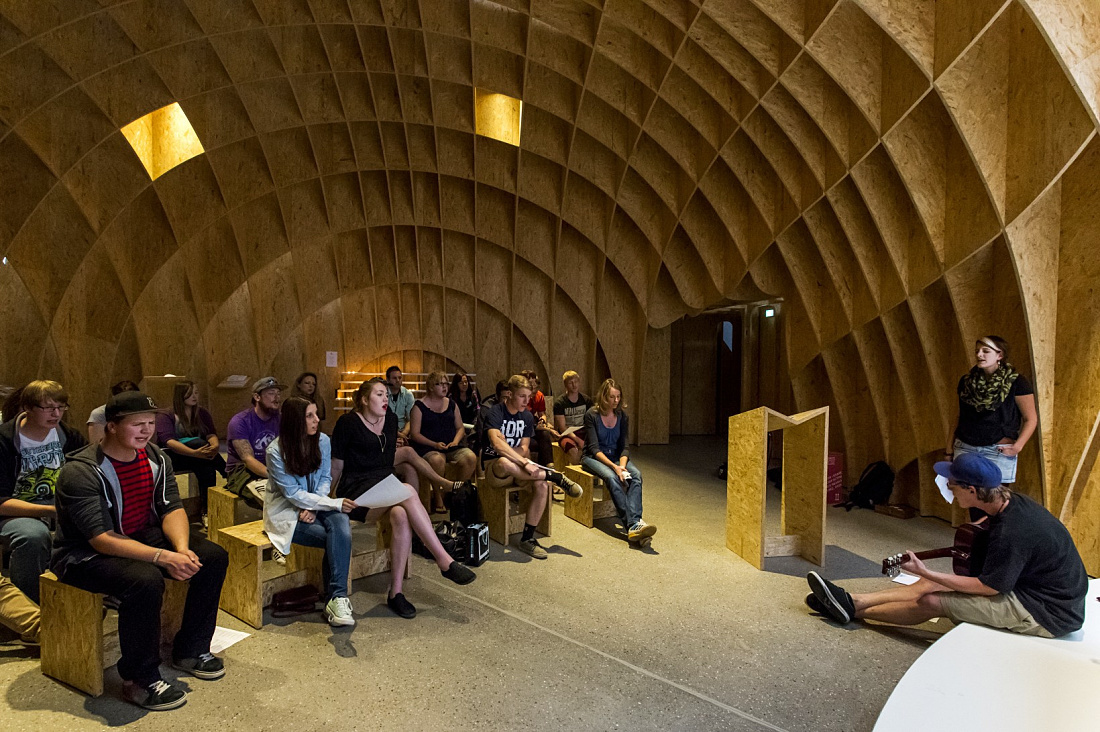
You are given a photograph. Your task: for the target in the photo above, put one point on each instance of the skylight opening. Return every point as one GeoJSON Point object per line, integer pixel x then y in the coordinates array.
{"type": "Point", "coordinates": [498, 116]}
{"type": "Point", "coordinates": [163, 139]}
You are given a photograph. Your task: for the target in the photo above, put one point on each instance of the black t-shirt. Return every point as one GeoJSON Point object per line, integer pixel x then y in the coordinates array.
{"type": "Point", "coordinates": [985, 428]}
{"type": "Point", "coordinates": [368, 458]}
{"type": "Point", "coordinates": [514, 427]}
{"type": "Point", "coordinates": [572, 411]}
{"type": "Point", "coordinates": [1032, 554]}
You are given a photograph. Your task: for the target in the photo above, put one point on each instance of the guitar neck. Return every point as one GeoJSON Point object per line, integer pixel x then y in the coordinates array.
{"type": "Point", "coordinates": [935, 553]}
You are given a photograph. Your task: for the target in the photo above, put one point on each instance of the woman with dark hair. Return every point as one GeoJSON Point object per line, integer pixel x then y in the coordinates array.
{"type": "Point", "coordinates": [187, 434]}
{"type": "Point", "coordinates": [364, 447]}
{"type": "Point", "coordinates": [297, 507]}
{"type": "Point", "coordinates": [467, 397]}
{"type": "Point", "coordinates": [606, 456]}
{"type": "Point", "coordinates": [305, 386]}
{"type": "Point", "coordinates": [996, 409]}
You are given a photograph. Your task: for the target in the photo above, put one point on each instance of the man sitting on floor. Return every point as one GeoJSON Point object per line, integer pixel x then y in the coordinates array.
{"type": "Point", "coordinates": [1033, 581]}
{"type": "Point", "coordinates": [121, 530]}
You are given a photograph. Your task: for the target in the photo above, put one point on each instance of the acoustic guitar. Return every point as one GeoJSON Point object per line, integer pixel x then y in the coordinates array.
{"type": "Point", "coordinates": [967, 554]}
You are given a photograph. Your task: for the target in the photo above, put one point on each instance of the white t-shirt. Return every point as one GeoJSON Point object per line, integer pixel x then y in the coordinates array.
{"type": "Point", "coordinates": [98, 415]}
{"type": "Point", "coordinates": [39, 464]}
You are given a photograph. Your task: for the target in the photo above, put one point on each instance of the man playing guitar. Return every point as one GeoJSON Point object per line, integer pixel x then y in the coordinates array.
{"type": "Point", "coordinates": [1033, 581]}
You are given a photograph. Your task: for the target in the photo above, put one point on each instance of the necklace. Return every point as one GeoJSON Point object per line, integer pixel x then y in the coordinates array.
{"type": "Point", "coordinates": [381, 436]}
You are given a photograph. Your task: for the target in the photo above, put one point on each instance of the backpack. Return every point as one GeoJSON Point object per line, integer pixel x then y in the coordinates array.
{"type": "Point", "coordinates": [875, 485]}
{"type": "Point", "coordinates": [463, 504]}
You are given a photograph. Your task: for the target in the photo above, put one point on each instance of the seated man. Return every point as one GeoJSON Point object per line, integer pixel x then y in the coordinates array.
{"type": "Point", "coordinates": [249, 433]}
{"type": "Point", "coordinates": [569, 411]}
{"type": "Point", "coordinates": [18, 614]}
{"type": "Point", "coordinates": [32, 451]}
{"type": "Point", "coordinates": [508, 428]}
{"type": "Point", "coordinates": [545, 434]}
{"type": "Point", "coordinates": [121, 529]}
{"type": "Point", "coordinates": [501, 394]}
{"type": "Point", "coordinates": [1033, 581]}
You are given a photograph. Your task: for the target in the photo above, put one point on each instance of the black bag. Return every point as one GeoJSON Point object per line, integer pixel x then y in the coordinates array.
{"type": "Point", "coordinates": [295, 601]}
{"type": "Point", "coordinates": [445, 532]}
{"type": "Point", "coordinates": [463, 504]}
{"type": "Point", "coordinates": [875, 485]}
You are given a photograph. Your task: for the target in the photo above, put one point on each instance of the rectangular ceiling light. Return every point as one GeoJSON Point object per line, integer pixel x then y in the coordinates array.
{"type": "Point", "coordinates": [163, 139]}
{"type": "Point", "coordinates": [498, 116]}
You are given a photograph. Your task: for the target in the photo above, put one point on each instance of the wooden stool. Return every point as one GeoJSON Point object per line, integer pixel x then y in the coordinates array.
{"type": "Point", "coordinates": [505, 516]}
{"type": "Point", "coordinates": [586, 509]}
{"type": "Point", "coordinates": [225, 509]}
{"type": "Point", "coordinates": [72, 630]}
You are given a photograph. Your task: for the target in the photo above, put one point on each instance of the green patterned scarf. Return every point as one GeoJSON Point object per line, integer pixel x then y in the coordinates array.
{"type": "Point", "coordinates": [985, 392]}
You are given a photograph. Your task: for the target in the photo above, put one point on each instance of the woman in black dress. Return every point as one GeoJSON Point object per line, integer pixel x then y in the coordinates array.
{"type": "Point", "coordinates": [364, 443]}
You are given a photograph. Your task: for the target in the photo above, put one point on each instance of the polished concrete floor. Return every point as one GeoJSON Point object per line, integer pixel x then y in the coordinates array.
{"type": "Point", "coordinates": [601, 636]}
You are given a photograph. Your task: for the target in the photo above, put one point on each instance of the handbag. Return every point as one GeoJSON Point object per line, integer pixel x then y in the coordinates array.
{"type": "Point", "coordinates": [295, 601]}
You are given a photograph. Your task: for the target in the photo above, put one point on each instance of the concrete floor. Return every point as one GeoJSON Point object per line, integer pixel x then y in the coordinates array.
{"type": "Point", "coordinates": [601, 636]}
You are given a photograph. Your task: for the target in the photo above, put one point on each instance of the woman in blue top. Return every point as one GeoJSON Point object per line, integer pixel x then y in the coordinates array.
{"type": "Point", "coordinates": [607, 457]}
{"type": "Point", "coordinates": [297, 507]}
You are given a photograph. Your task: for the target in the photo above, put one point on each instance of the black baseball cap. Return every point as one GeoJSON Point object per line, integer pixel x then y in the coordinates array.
{"type": "Point", "coordinates": [127, 403]}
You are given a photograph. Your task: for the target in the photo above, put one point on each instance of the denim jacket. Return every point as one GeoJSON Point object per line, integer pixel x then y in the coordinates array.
{"type": "Point", "coordinates": [286, 494]}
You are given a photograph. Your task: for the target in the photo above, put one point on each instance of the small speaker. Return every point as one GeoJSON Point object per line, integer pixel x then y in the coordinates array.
{"type": "Point", "coordinates": [477, 544]}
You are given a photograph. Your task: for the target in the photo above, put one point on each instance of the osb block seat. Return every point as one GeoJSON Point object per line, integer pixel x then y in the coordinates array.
{"type": "Point", "coordinates": [226, 509]}
{"type": "Point", "coordinates": [505, 509]}
{"type": "Point", "coordinates": [74, 650]}
{"type": "Point", "coordinates": [589, 507]}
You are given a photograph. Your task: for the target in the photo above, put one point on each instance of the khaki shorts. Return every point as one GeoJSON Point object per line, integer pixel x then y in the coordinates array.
{"type": "Point", "coordinates": [1003, 611]}
{"type": "Point", "coordinates": [493, 479]}
{"type": "Point", "coordinates": [453, 456]}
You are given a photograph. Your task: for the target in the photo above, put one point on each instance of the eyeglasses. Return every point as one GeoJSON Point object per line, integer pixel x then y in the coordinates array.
{"type": "Point", "coordinates": [60, 409]}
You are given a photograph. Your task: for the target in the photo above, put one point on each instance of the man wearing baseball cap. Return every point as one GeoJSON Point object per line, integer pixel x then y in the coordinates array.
{"type": "Point", "coordinates": [1032, 581]}
{"type": "Point", "coordinates": [121, 529]}
{"type": "Point", "coordinates": [251, 431]}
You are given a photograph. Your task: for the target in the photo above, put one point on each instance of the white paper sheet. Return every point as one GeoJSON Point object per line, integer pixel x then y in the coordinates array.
{"type": "Point", "coordinates": [387, 492]}
{"type": "Point", "coordinates": [569, 431]}
{"type": "Point", "coordinates": [224, 637]}
{"type": "Point", "coordinates": [941, 483]}
{"type": "Point", "coordinates": [905, 578]}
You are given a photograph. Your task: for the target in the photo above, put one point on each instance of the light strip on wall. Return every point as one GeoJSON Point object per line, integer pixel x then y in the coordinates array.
{"type": "Point", "coordinates": [163, 139]}
{"type": "Point", "coordinates": [498, 116]}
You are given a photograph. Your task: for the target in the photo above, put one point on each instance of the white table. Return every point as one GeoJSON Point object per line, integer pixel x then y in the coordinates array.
{"type": "Point", "coordinates": [974, 679]}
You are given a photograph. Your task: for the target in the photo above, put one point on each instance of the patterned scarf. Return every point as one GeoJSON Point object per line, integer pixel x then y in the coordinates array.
{"type": "Point", "coordinates": [985, 392]}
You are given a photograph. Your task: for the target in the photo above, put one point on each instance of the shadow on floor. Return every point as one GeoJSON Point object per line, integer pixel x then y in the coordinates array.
{"type": "Point", "coordinates": [840, 564]}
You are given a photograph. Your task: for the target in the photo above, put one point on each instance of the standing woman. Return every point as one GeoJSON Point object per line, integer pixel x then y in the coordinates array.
{"type": "Point", "coordinates": [187, 434]}
{"type": "Point", "coordinates": [437, 434]}
{"type": "Point", "coordinates": [606, 456]}
{"type": "Point", "coordinates": [364, 443]}
{"type": "Point", "coordinates": [305, 386]}
{"type": "Point", "coordinates": [467, 398]}
{"type": "Point", "coordinates": [996, 409]}
{"type": "Point", "coordinates": [297, 507]}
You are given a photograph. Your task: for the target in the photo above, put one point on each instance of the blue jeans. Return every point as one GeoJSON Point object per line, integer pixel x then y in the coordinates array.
{"type": "Point", "coordinates": [1007, 463]}
{"type": "Point", "coordinates": [627, 498]}
{"type": "Point", "coordinates": [30, 542]}
{"type": "Point", "coordinates": [331, 531]}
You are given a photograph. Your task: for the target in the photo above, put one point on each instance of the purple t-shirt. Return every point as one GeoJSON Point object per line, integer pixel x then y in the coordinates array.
{"type": "Point", "coordinates": [247, 425]}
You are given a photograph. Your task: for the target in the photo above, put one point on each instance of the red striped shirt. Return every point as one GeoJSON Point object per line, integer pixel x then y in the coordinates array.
{"type": "Point", "coordinates": [136, 480]}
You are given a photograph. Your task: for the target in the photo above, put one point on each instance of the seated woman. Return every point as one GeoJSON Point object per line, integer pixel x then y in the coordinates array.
{"type": "Point", "coordinates": [569, 411]}
{"type": "Point", "coordinates": [187, 434]}
{"type": "Point", "coordinates": [437, 434]}
{"type": "Point", "coordinates": [467, 398]}
{"type": "Point", "coordinates": [297, 507]}
{"type": "Point", "coordinates": [364, 447]}
{"type": "Point", "coordinates": [607, 457]}
{"type": "Point", "coordinates": [305, 386]}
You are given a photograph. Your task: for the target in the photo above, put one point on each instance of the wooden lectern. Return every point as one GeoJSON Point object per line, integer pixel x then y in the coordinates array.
{"type": "Point", "coordinates": [805, 464]}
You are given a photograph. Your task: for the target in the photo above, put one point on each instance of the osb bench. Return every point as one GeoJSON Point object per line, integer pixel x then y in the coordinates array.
{"type": "Point", "coordinates": [588, 508]}
{"type": "Point", "coordinates": [73, 647]}
{"type": "Point", "coordinates": [505, 509]}
{"type": "Point", "coordinates": [251, 582]}
{"type": "Point", "coordinates": [225, 509]}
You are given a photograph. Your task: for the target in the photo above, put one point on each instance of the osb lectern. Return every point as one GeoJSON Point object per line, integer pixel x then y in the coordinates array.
{"type": "Point", "coordinates": [805, 460]}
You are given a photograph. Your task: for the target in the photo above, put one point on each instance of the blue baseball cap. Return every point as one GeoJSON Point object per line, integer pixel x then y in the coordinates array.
{"type": "Point", "coordinates": [971, 469]}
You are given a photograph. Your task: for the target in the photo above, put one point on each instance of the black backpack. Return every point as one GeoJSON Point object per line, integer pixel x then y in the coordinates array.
{"type": "Point", "coordinates": [463, 504]}
{"type": "Point", "coordinates": [873, 489]}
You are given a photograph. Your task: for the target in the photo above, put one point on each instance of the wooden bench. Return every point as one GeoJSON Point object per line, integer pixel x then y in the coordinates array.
{"type": "Point", "coordinates": [72, 640]}
{"type": "Point", "coordinates": [588, 508]}
{"type": "Point", "coordinates": [251, 582]}
{"type": "Point", "coordinates": [225, 509]}
{"type": "Point", "coordinates": [505, 509]}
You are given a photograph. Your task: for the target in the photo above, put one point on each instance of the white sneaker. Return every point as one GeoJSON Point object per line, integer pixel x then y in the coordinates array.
{"type": "Point", "coordinates": [338, 612]}
{"type": "Point", "coordinates": [279, 557]}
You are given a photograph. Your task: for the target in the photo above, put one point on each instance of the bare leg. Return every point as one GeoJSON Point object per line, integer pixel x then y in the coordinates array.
{"type": "Point", "coordinates": [911, 612]}
{"type": "Point", "coordinates": [539, 488]}
{"type": "Point", "coordinates": [438, 463]}
{"type": "Point", "coordinates": [407, 456]}
{"type": "Point", "coordinates": [467, 464]}
{"type": "Point", "coordinates": [897, 593]}
{"type": "Point", "coordinates": [574, 455]}
{"type": "Point", "coordinates": [422, 524]}
{"type": "Point", "coordinates": [400, 547]}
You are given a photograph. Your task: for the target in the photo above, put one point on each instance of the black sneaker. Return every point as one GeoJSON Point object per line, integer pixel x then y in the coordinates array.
{"type": "Point", "coordinates": [814, 604]}
{"type": "Point", "coordinates": [158, 696]}
{"type": "Point", "coordinates": [206, 666]}
{"type": "Point", "coordinates": [401, 607]}
{"type": "Point", "coordinates": [837, 603]}
{"type": "Point", "coordinates": [459, 573]}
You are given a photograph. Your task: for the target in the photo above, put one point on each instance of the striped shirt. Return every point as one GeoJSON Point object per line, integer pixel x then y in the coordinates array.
{"type": "Point", "coordinates": [136, 480]}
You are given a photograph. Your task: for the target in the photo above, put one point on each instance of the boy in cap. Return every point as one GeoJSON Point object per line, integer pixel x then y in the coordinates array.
{"type": "Point", "coordinates": [121, 529]}
{"type": "Point", "coordinates": [1032, 582]}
